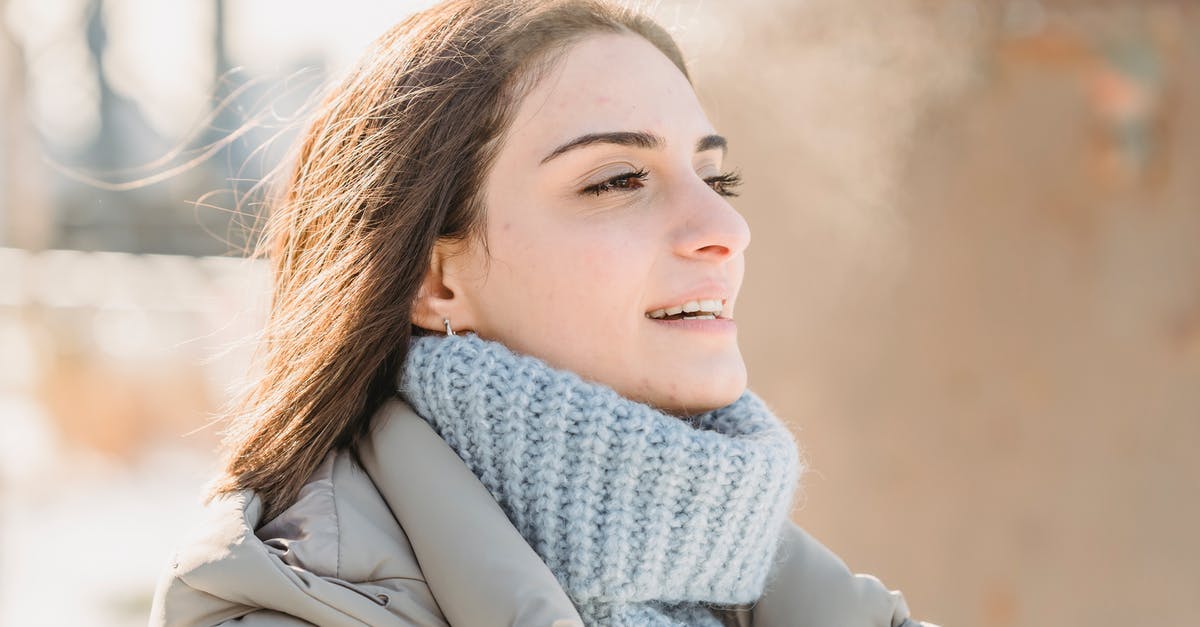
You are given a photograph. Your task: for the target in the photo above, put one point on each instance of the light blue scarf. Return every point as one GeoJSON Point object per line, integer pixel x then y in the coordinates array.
{"type": "Point", "coordinates": [644, 518]}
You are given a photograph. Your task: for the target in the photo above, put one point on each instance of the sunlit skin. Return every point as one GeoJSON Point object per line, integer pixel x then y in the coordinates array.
{"type": "Point", "coordinates": [572, 274]}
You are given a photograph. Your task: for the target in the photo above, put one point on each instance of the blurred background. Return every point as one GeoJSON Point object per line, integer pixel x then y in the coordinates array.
{"type": "Point", "coordinates": [973, 291]}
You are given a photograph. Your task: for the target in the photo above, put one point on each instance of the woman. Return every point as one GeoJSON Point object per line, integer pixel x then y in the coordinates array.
{"type": "Point", "coordinates": [502, 382]}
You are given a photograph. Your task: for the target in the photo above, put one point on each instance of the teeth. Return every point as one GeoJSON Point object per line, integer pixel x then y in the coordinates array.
{"type": "Point", "coordinates": [692, 306]}
{"type": "Point", "coordinates": [710, 306]}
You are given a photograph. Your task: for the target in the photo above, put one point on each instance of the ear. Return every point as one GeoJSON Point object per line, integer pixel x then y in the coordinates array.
{"type": "Point", "coordinates": [441, 294]}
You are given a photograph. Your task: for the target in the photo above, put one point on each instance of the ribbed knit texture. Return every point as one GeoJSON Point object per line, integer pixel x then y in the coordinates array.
{"type": "Point", "coordinates": [642, 516]}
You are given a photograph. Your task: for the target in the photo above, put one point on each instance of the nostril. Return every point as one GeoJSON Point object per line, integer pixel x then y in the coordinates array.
{"type": "Point", "coordinates": [715, 249]}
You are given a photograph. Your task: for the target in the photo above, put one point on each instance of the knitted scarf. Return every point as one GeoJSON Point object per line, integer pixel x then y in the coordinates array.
{"type": "Point", "coordinates": [645, 518]}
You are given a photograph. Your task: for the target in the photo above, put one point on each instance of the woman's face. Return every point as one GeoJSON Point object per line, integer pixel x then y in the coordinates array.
{"type": "Point", "coordinates": [575, 268]}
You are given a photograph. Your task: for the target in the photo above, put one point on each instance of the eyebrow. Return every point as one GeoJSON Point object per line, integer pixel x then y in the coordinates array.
{"type": "Point", "coordinates": [637, 139]}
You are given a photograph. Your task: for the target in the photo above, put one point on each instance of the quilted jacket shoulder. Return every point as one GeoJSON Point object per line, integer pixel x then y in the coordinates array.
{"type": "Point", "coordinates": [404, 534]}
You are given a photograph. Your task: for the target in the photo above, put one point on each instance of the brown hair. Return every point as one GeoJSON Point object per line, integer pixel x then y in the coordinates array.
{"type": "Point", "coordinates": [393, 159]}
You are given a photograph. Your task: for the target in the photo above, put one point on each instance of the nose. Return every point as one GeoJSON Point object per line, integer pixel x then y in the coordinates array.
{"type": "Point", "coordinates": [710, 228]}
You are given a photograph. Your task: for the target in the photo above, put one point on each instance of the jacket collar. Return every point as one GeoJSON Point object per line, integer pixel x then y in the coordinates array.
{"type": "Point", "coordinates": [477, 564]}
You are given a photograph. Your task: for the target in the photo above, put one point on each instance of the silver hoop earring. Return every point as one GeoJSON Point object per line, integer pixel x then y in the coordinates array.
{"type": "Point", "coordinates": [449, 331]}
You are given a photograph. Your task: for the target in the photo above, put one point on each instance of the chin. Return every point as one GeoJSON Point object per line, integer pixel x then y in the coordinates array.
{"type": "Point", "coordinates": [714, 400]}
{"type": "Point", "coordinates": [705, 391]}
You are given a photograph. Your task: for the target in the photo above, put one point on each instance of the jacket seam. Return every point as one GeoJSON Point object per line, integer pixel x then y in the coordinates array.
{"type": "Point", "coordinates": [337, 519]}
{"type": "Point", "coordinates": [383, 579]}
{"type": "Point", "coordinates": [283, 570]}
{"type": "Point", "coordinates": [183, 579]}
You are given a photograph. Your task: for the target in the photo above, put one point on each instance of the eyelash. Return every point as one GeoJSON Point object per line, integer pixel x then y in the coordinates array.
{"type": "Point", "coordinates": [726, 180]}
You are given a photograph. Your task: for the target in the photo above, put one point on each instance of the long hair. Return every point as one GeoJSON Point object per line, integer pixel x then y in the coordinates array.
{"type": "Point", "coordinates": [393, 159]}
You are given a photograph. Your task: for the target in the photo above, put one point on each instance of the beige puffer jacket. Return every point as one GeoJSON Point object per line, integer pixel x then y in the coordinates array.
{"type": "Point", "coordinates": [407, 535]}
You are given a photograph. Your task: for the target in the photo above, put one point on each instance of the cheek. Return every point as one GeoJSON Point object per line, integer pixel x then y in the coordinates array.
{"type": "Point", "coordinates": [581, 273]}
{"type": "Point", "coordinates": [594, 272]}
{"type": "Point", "coordinates": [618, 258]}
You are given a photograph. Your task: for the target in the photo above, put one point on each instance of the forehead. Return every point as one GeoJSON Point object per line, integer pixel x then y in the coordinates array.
{"type": "Point", "coordinates": [607, 82]}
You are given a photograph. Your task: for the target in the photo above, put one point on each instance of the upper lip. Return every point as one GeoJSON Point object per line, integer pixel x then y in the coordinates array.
{"type": "Point", "coordinates": [706, 291]}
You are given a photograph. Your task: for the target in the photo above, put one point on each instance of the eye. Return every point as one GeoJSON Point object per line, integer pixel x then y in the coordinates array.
{"type": "Point", "coordinates": [724, 183]}
{"type": "Point", "coordinates": [620, 181]}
